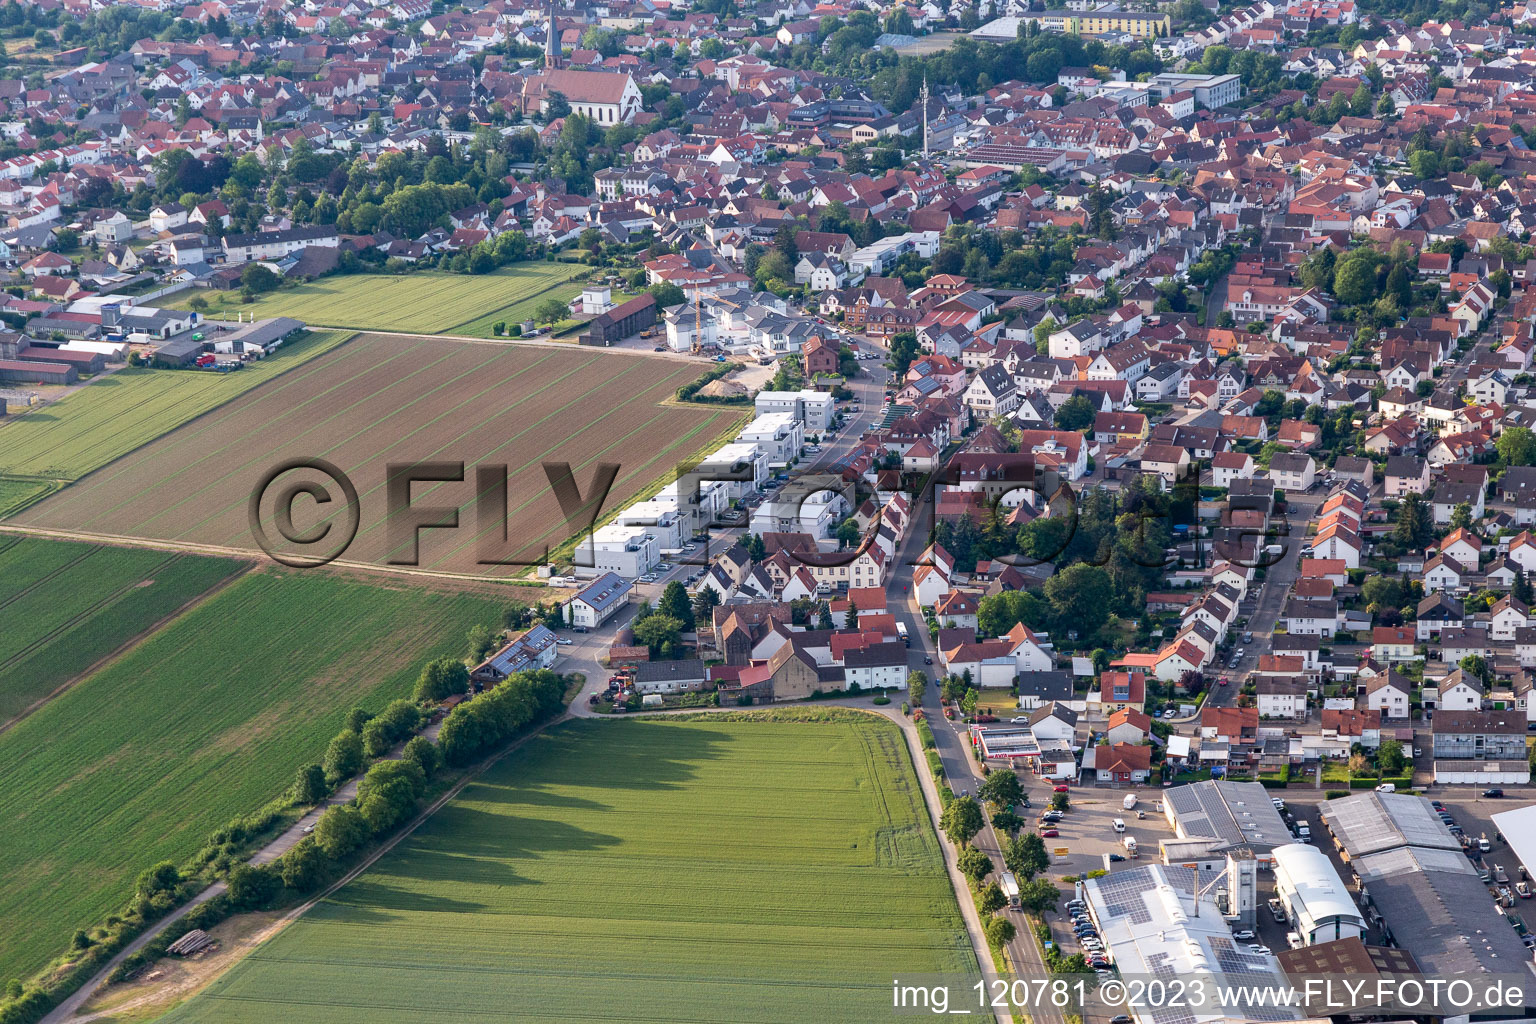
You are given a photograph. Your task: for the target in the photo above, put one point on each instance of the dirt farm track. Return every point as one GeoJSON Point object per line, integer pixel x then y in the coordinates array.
{"type": "Point", "coordinates": [383, 400]}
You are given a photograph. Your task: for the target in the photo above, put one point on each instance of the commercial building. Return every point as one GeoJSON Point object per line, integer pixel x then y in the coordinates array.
{"type": "Point", "coordinates": [1154, 923]}
{"type": "Point", "coordinates": [1212, 819]}
{"type": "Point", "coordinates": [1417, 886]}
{"type": "Point", "coordinates": [1140, 24]}
{"type": "Point", "coordinates": [1210, 91]}
{"type": "Point", "coordinates": [1314, 895]}
{"type": "Point", "coordinates": [620, 322]}
{"type": "Point", "coordinates": [1368, 823]}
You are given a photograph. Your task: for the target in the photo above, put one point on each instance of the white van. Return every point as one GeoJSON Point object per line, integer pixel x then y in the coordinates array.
{"type": "Point", "coordinates": [1387, 787]}
{"type": "Point", "coordinates": [1119, 825]}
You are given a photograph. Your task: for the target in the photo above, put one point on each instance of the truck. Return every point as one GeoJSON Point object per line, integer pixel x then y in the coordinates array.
{"type": "Point", "coordinates": [1010, 887]}
{"type": "Point", "coordinates": [1129, 803]}
{"type": "Point", "coordinates": [1500, 875]}
{"type": "Point", "coordinates": [1129, 842]}
{"type": "Point", "coordinates": [901, 631]}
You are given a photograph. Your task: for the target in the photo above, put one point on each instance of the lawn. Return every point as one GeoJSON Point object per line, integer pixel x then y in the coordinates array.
{"type": "Point", "coordinates": [207, 719]}
{"type": "Point", "coordinates": [16, 493]}
{"type": "Point", "coordinates": [518, 312]}
{"type": "Point", "coordinates": [118, 412]}
{"type": "Point", "coordinates": [428, 302]}
{"type": "Point", "coordinates": [67, 606]}
{"type": "Point", "coordinates": [672, 870]}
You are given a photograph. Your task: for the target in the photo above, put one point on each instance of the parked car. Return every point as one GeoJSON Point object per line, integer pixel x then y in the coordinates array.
{"type": "Point", "coordinates": [1116, 858]}
{"type": "Point", "coordinates": [564, 641]}
{"type": "Point", "coordinates": [1048, 833]}
{"type": "Point", "coordinates": [1493, 794]}
{"type": "Point", "coordinates": [1256, 947]}
{"type": "Point", "coordinates": [1061, 789]}
{"type": "Point", "coordinates": [1244, 935]}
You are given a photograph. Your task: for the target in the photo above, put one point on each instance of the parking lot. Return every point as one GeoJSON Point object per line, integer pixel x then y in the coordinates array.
{"type": "Point", "coordinates": [1088, 835]}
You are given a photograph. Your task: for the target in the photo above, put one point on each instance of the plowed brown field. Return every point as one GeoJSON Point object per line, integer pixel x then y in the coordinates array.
{"type": "Point", "coordinates": [383, 400]}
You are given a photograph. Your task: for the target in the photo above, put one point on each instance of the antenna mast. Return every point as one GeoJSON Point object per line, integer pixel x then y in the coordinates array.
{"type": "Point", "coordinates": [923, 96]}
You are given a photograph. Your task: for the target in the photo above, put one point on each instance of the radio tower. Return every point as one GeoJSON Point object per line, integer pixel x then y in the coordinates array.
{"type": "Point", "coordinates": [923, 98]}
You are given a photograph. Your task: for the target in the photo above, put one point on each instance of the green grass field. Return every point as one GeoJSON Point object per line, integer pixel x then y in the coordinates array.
{"type": "Point", "coordinates": [429, 302]}
{"type": "Point", "coordinates": [66, 606]}
{"type": "Point", "coordinates": [207, 719]}
{"type": "Point", "coordinates": [117, 413]}
{"type": "Point", "coordinates": [710, 870]}
{"type": "Point", "coordinates": [482, 328]}
{"type": "Point", "coordinates": [17, 493]}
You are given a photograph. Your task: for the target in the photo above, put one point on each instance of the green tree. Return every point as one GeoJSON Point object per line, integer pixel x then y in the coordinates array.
{"type": "Point", "coordinates": [1001, 788]}
{"type": "Point", "coordinates": [903, 352]}
{"type": "Point", "coordinates": [1415, 524]}
{"type": "Point", "coordinates": [848, 533]}
{"type": "Point", "coordinates": [550, 311]}
{"type": "Point", "coordinates": [1516, 446]}
{"type": "Point", "coordinates": [991, 899]}
{"type": "Point", "coordinates": [974, 864]}
{"type": "Point", "coordinates": [1059, 802]}
{"type": "Point", "coordinates": [917, 687]}
{"type": "Point", "coordinates": [304, 867]}
{"type": "Point", "coordinates": [1380, 592]}
{"type": "Point", "coordinates": [961, 820]}
{"type": "Point", "coordinates": [257, 279]}
{"type": "Point", "coordinates": [340, 831]}
{"type": "Point", "coordinates": [704, 602]}
{"type": "Point", "coordinates": [1025, 856]}
{"type": "Point", "coordinates": [1076, 413]}
{"type": "Point", "coordinates": [1081, 598]}
{"type": "Point", "coordinates": [999, 931]}
{"type": "Point", "coordinates": [1390, 756]}
{"type": "Point", "coordinates": [851, 617]}
{"type": "Point", "coordinates": [387, 795]}
{"type": "Point", "coordinates": [309, 786]}
{"type": "Point", "coordinates": [674, 602]}
{"type": "Point", "coordinates": [1461, 516]}
{"type": "Point", "coordinates": [424, 754]}
{"type": "Point", "coordinates": [481, 642]}
{"type": "Point", "coordinates": [756, 549]}
{"type": "Point", "coordinates": [253, 887]}
{"type": "Point", "coordinates": [441, 679]}
{"type": "Point", "coordinates": [343, 757]}
{"type": "Point", "coordinates": [1354, 281]}
{"type": "Point", "coordinates": [1038, 895]}
{"type": "Point", "coordinates": [660, 633]}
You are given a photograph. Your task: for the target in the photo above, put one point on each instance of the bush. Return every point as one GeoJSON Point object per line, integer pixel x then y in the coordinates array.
{"type": "Point", "coordinates": [254, 887]}
{"type": "Point", "coordinates": [424, 753]}
{"type": "Point", "coordinates": [477, 727]}
{"type": "Point", "coordinates": [1336, 794]}
{"type": "Point", "coordinates": [343, 757]}
{"type": "Point", "coordinates": [925, 733]}
{"type": "Point", "coordinates": [882, 699]}
{"type": "Point", "coordinates": [398, 720]}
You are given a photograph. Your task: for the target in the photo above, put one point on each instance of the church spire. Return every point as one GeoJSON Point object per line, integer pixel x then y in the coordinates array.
{"type": "Point", "coordinates": [551, 41]}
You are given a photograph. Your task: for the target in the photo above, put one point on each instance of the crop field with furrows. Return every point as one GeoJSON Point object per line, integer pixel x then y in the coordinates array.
{"type": "Point", "coordinates": [118, 412]}
{"type": "Point", "coordinates": [207, 719]}
{"type": "Point", "coordinates": [429, 302]}
{"type": "Point", "coordinates": [386, 400]}
{"type": "Point", "coordinates": [666, 871]}
{"type": "Point", "coordinates": [67, 606]}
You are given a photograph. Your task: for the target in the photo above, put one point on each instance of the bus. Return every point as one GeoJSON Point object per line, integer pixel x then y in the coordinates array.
{"type": "Point", "coordinates": [901, 631]}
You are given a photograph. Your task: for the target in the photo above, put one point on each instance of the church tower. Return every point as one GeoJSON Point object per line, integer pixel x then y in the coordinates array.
{"type": "Point", "coordinates": [551, 42]}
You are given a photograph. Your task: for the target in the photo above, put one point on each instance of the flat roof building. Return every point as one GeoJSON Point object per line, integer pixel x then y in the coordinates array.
{"type": "Point", "coordinates": [1152, 921]}
{"type": "Point", "coordinates": [1228, 816]}
{"type": "Point", "coordinates": [1367, 823]}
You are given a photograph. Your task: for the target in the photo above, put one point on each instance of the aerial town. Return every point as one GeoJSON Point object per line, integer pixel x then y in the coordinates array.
{"type": "Point", "coordinates": [820, 496]}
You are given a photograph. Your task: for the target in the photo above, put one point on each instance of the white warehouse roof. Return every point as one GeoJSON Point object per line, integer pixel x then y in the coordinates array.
{"type": "Point", "coordinates": [1309, 873]}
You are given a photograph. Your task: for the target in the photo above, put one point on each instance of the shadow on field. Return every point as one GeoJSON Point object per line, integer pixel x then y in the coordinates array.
{"type": "Point", "coordinates": [479, 847]}
{"type": "Point", "coordinates": [375, 902]}
{"type": "Point", "coordinates": [629, 754]}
